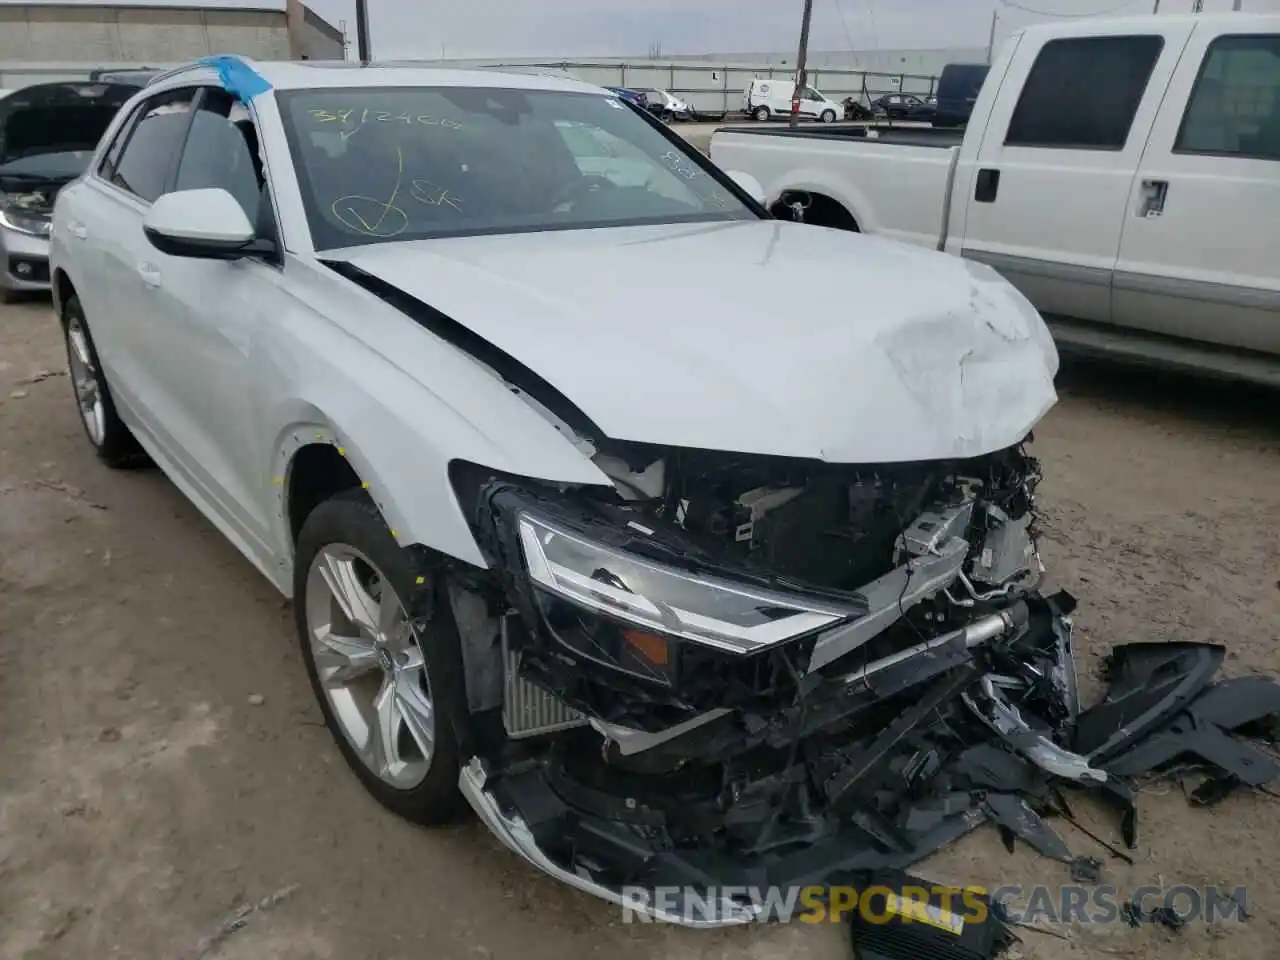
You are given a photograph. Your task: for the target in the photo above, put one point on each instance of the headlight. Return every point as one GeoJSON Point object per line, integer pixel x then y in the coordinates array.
{"type": "Point", "coordinates": [24, 223]}
{"type": "Point", "coordinates": [643, 605]}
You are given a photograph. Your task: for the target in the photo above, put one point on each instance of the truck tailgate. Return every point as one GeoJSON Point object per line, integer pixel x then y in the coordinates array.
{"type": "Point", "coordinates": [899, 189]}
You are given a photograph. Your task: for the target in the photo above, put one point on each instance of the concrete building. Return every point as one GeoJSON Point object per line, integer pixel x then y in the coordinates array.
{"type": "Point", "coordinates": [60, 39]}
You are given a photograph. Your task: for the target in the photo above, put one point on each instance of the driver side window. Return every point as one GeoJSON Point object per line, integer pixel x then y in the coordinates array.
{"type": "Point", "coordinates": [222, 151]}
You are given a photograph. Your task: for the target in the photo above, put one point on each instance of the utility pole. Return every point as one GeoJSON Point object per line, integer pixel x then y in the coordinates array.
{"type": "Point", "coordinates": [1156, 8]}
{"type": "Point", "coordinates": [991, 37]}
{"type": "Point", "coordinates": [802, 78]}
{"type": "Point", "coordinates": [362, 30]}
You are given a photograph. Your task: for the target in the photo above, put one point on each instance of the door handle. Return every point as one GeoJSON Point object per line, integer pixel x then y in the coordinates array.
{"type": "Point", "coordinates": [1154, 193]}
{"type": "Point", "coordinates": [77, 230]}
{"type": "Point", "coordinates": [987, 186]}
{"type": "Point", "coordinates": [150, 274]}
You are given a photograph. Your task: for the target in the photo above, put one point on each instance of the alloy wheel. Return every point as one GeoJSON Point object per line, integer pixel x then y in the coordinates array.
{"type": "Point", "coordinates": [370, 665]}
{"type": "Point", "coordinates": [85, 380]}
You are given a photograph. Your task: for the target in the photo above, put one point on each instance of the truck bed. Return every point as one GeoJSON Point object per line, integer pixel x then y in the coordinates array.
{"type": "Point", "coordinates": [916, 136]}
{"type": "Point", "coordinates": [893, 181]}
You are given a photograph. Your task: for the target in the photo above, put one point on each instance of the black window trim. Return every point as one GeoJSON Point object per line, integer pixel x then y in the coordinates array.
{"type": "Point", "coordinates": [1186, 108]}
{"type": "Point", "coordinates": [1092, 148]}
{"type": "Point", "coordinates": [274, 258]}
{"type": "Point", "coordinates": [132, 125]}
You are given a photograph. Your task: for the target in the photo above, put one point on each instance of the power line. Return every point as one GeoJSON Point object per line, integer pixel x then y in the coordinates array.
{"type": "Point", "coordinates": [848, 36]}
{"type": "Point", "coordinates": [1068, 16]}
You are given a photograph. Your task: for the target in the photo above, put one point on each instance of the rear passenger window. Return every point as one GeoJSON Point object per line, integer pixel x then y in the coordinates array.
{"type": "Point", "coordinates": [1234, 109]}
{"type": "Point", "coordinates": [1083, 94]}
{"type": "Point", "coordinates": [152, 148]}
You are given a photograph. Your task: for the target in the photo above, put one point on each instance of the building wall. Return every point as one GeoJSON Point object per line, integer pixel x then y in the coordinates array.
{"type": "Point", "coordinates": [128, 33]}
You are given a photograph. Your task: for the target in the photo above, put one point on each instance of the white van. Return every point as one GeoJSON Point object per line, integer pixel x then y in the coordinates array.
{"type": "Point", "coordinates": [770, 97]}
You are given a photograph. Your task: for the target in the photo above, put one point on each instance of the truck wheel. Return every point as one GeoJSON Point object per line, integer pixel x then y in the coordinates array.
{"type": "Point", "coordinates": [761, 113]}
{"type": "Point", "coordinates": [111, 439]}
{"type": "Point", "coordinates": [828, 116]}
{"type": "Point", "coordinates": [383, 656]}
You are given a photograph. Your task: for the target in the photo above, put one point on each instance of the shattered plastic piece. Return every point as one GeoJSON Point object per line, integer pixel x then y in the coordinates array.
{"type": "Point", "coordinates": [1005, 720]}
{"type": "Point", "coordinates": [1086, 870]}
{"type": "Point", "coordinates": [1013, 814]}
{"type": "Point", "coordinates": [1149, 684]}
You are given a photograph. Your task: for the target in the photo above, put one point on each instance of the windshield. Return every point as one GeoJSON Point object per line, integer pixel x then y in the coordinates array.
{"type": "Point", "coordinates": [381, 163]}
{"type": "Point", "coordinates": [58, 118]}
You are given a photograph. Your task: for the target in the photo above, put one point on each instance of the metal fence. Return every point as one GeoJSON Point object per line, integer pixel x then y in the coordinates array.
{"type": "Point", "coordinates": [719, 89]}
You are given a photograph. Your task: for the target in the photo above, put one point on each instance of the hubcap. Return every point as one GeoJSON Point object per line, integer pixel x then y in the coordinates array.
{"type": "Point", "coordinates": [84, 377]}
{"type": "Point", "coordinates": [370, 665]}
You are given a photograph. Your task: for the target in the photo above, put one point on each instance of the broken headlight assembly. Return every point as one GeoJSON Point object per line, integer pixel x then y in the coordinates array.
{"type": "Point", "coordinates": [631, 614]}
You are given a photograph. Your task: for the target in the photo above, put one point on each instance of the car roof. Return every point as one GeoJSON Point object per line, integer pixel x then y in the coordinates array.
{"type": "Point", "coordinates": [311, 74]}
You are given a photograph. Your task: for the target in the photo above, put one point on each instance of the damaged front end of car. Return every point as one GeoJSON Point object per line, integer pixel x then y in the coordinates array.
{"type": "Point", "coordinates": [745, 671]}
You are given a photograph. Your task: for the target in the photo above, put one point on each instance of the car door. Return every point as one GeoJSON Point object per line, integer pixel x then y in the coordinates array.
{"type": "Point", "coordinates": [208, 316]}
{"type": "Point", "coordinates": [1055, 162]}
{"type": "Point", "coordinates": [108, 224]}
{"type": "Point", "coordinates": [1198, 254]}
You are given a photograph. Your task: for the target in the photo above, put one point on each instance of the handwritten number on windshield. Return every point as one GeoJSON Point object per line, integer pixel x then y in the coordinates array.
{"type": "Point", "coordinates": [680, 165]}
{"type": "Point", "coordinates": [374, 218]}
{"type": "Point", "coordinates": [367, 115]}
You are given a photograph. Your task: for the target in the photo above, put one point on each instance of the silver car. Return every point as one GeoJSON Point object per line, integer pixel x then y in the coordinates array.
{"type": "Point", "coordinates": [47, 134]}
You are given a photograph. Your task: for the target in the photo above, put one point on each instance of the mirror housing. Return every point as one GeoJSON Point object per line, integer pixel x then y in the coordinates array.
{"type": "Point", "coordinates": [207, 224]}
{"type": "Point", "coordinates": [749, 184]}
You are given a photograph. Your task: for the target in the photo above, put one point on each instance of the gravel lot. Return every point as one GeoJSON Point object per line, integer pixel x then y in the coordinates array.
{"type": "Point", "coordinates": [163, 761]}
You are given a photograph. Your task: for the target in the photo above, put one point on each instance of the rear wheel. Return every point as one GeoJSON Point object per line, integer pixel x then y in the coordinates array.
{"type": "Point", "coordinates": [111, 439]}
{"type": "Point", "coordinates": [383, 658]}
{"type": "Point", "coordinates": [761, 113]}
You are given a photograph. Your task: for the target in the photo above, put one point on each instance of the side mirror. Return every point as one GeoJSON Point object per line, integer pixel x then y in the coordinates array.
{"type": "Point", "coordinates": [748, 183]}
{"type": "Point", "coordinates": [207, 224]}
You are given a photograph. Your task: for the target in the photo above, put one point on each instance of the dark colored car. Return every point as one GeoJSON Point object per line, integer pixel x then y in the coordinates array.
{"type": "Point", "coordinates": [48, 132]}
{"type": "Point", "coordinates": [631, 96]}
{"type": "Point", "coordinates": [902, 106]}
{"type": "Point", "coordinates": [958, 88]}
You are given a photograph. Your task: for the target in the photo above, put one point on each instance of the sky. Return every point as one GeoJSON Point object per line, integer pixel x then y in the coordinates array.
{"type": "Point", "coordinates": [528, 28]}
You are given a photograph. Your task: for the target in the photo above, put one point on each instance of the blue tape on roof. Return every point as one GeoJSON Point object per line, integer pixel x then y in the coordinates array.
{"type": "Point", "coordinates": [238, 78]}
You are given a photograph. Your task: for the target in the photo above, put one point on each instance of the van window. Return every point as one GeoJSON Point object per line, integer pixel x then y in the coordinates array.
{"type": "Point", "coordinates": [1234, 109]}
{"type": "Point", "coordinates": [1082, 94]}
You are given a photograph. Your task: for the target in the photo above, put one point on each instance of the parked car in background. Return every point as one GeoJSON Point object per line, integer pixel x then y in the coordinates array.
{"type": "Point", "coordinates": [631, 96]}
{"type": "Point", "coordinates": [47, 134]}
{"type": "Point", "coordinates": [902, 106]}
{"type": "Point", "coordinates": [764, 99]}
{"type": "Point", "coordinates": [1124, 174]}
{"type": "Point", "coordinates": [372, 323]}
{"type": "Point", "coordinates": [958, 88]}
{"type": "Point", "coordinates": [666, 105]}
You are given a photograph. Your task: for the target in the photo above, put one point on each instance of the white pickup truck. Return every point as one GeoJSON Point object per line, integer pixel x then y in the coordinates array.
{"type": "Point", "coordinates": [1124, 174]}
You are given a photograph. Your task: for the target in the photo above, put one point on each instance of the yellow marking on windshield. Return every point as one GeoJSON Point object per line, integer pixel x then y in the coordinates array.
{"type": "Point", "coordinates": [347, 209]}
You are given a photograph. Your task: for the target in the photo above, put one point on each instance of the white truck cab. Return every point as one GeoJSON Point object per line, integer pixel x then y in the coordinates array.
{"type": "Point", "coordinates": [1122, 173]}
{"type": "Point", "coordinates": [768, 97]}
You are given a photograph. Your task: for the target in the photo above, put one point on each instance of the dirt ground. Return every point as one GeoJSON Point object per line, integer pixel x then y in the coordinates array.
{"type": "Point", "coordinates": [146, 790]}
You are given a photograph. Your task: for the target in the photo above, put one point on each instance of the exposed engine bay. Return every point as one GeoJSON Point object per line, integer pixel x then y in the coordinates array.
{"type": "Point", "coordinates": [740, 670]}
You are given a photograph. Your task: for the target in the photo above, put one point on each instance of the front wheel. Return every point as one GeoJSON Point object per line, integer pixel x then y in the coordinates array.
{"type": "Point", "coordinates": [383, 657]}
{"type": "Point", "coordinates": [828, 116]}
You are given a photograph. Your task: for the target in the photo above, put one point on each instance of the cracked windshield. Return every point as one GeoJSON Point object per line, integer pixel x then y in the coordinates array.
{"type": "Point", "coordinates": [402, 164]}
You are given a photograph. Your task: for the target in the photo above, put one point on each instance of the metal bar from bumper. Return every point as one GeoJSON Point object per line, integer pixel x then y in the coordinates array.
{"type": "Point", "coordinates": [515, 834]}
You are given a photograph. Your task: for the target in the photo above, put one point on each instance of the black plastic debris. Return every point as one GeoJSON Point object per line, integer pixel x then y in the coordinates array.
{"type": "Point", "coordinates": [892, 924]}
{"type": "Point", "coordinates": [1166, 917]}
{"type": "Point", "coordinates": [1086, 870]}
{"type": "Point", "coordinates": [1204, 731]}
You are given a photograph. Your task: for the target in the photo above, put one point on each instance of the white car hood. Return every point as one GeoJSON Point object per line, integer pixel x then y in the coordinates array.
{"type": "Point", "coordinates": [755, 337]}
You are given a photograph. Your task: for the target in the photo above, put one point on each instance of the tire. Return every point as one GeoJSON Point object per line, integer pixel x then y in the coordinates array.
{"type": "Point", "coordinates": [761, 113]}
{"type": "Point", "coordinates": [112, 441]}
{"type": "Point", "coordinates": [351, 520]}
{"type": "Point", "coordinates": [828, 116]}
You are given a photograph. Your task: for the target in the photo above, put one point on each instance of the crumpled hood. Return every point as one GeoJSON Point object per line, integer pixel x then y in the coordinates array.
{"type": "Point", "coordinates": [755, 337]}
